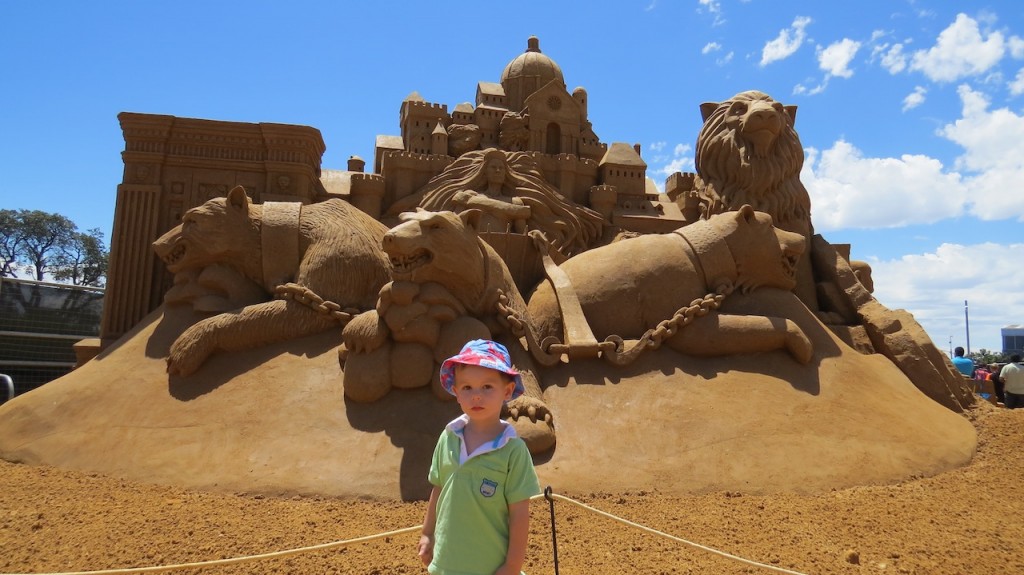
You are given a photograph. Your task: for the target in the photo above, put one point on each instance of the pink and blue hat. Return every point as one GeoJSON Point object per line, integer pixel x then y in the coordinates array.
{"type": "Point", "coordinates": [485, 353]}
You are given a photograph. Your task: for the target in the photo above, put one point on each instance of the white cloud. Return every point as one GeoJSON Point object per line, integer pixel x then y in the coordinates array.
{"type": "Point", "coordinates": [1016, 47]}
{"type": "Point", "coordinates": [1017, 85]}
{"type": "Point", "coordinates": [893, 59]}
{"type": "Point", "coordinates": [681, 160]}
{"type": "Point", "coordinates": [801, 90]}
{"type": "Point", "coordinates": [657, 146]}
{"type": "Point", "coordinates": [724, 59]}
{"type": "Point", "coordinates": [915, 98]}
{"type": "Point", "coordinates": [960, 51]}
{"type": "Point", "coordinates": [993, 158]}
{"type": "Point", "coordinates": [933, 286]}
{"type": "Point", "coordinates": [835, 59]}
{"type": "Point", "coordinates": [786, 43]}
{"type": "Point", "coordinates": [849, 190]}
{"type": "Point", "coordinates": [710, 47]}
{"type": "Point", "coordinates": [714, 7]}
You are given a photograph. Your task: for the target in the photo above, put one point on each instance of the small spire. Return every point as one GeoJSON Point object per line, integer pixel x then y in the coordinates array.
{"type": "Point", "coordinates": [533, 44]}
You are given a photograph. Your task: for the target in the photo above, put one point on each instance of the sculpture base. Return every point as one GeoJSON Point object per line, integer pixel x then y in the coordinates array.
{"type": "Point", "coordinates": [274, 420]}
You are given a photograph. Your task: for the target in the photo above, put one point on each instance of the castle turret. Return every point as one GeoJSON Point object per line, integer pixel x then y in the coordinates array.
{"type": "Point", "coordinates": [580, 95]}
{"type": "Point", "coordinates": [439, 141]}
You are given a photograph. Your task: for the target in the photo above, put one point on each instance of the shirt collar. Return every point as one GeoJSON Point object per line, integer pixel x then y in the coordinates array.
{"type": "Point", "coordinates": [458, 425]}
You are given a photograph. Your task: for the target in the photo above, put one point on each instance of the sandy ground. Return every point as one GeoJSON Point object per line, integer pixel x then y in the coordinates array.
{"type": "Point", "coordinates": [963, 521]}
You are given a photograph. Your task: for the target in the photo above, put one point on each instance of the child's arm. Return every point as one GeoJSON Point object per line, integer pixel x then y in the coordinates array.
{"type": "Point", "coordinates": [518, 532]}
{"type": "Point", "coordinates": [425, 549]}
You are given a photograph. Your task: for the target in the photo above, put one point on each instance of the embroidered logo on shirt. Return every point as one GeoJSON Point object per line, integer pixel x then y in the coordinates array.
{"type": "Point", "coordinates": [488, 488]}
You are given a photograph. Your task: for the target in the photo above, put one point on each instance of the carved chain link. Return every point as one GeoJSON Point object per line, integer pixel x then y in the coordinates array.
{"type": "Point", "coordinates": [310, 299]}
{"type": "Point", "coordinates": [612, 348]}
{"type": "Point", "coordinates": [685, 316]}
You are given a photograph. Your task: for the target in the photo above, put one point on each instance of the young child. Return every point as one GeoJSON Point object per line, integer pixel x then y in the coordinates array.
{"type": "Point", "coordinates": [478, 516]}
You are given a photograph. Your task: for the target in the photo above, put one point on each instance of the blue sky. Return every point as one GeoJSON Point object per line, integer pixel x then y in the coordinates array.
{"type": "Point", "coordinates": [911, 112]}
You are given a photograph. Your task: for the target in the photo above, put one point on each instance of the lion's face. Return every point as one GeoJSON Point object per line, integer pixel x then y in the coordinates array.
{"type": "Point", "coordinates": [758, 122]}
{"type": "Point", "coordinates": [219, 231]}
{"type": "Point", "coordinates": [749, 153]}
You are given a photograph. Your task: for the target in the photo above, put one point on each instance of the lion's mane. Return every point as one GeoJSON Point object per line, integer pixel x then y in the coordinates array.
{"type": "Point", "coordinates": [733, 172]}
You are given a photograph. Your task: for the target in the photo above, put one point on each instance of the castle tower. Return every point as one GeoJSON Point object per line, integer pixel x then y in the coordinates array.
{"type": "Point", "coordinates": [623, 168]}
{"type": "Point", "coordinates": [580, 95]}
{"type": "Point", "coordinates": [418, 119]}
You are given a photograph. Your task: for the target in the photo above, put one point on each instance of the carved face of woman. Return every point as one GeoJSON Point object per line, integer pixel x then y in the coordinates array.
{"type": "Point", "coordinates": [495, 171]}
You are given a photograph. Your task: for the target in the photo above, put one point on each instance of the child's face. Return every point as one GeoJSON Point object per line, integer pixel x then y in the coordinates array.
{"type": "Point", "coordinates": [482, 391]}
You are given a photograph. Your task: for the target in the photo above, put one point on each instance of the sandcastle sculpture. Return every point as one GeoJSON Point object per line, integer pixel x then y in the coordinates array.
{"type": "Point", "coordinates": [503, 220]}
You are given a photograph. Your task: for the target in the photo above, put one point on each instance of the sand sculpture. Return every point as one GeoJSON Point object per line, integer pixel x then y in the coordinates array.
{"type": "Point", "coordinates": [446, 290]}
{"type": "Point", "coordinates": [750, 385]}
{"type": "Point", "coordinates": [320, 262]}
{"type": "Point", "coordinates": [511, 193]}
{"type": "Point", "coordinates": [668, 287]}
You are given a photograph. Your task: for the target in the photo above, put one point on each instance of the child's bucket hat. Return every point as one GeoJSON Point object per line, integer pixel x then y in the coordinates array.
{"type": "Point", "coordinates": [485, 353]}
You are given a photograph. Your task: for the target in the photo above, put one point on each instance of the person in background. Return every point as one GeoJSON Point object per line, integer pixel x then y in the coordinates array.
{"type": "Point", "coordinates": [1012, 376]}
{"type": "Point", "coordinates": [962, 364]}
{"type": "Point", "coordinates": [997, 384]}
{"type": "Point", "coordinates": [983, 383]}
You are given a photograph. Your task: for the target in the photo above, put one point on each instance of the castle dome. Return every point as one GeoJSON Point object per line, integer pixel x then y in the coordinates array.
{"type": "Point", "coordinates": [527, 73]}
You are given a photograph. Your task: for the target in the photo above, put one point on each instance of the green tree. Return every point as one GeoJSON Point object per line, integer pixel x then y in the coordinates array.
{"type": "Point", "coordinates": [40, 243]}
{"type": "Point", "coordinates": [83, 261]}
{"type": "Point", "coordinates": [987, 357]}
{"type": "Point", "coordinates": [10, 243]}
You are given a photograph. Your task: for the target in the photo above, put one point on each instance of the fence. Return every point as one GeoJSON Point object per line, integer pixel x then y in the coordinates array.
{"type": "Point", "coordinates": [39, 324]}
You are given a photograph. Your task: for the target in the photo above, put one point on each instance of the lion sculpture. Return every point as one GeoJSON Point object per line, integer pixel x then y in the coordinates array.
{"type": "Point", "coordinates": [628, 287]}
{"type": "Point", "coordinates": [748, 153]}
{"type": "Point", "coordinates": [446, 290]}
{"type": "Point", "coordinates": [326, 254]}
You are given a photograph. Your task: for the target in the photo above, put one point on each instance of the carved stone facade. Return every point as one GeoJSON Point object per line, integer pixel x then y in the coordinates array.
{"type": "Point", "coordinates": [173, 164]}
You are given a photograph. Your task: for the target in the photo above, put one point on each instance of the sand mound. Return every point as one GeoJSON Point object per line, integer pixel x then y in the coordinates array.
{"type": "Point", "coordinates": [274, 420]}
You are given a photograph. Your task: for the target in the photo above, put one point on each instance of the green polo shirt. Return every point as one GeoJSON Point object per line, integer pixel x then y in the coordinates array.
{"type": "Point", "coordinates": [471, 529]}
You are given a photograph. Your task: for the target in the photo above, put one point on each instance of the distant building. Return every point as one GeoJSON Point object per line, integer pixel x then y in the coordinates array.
{"type": "Point", "coordinates": [1013, 338]}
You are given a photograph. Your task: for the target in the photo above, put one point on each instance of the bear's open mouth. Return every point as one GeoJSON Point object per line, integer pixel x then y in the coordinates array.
{"type": "Point", "coordinates": [403, 264]}
{"type": "Point", "coordinates": [175, 255]}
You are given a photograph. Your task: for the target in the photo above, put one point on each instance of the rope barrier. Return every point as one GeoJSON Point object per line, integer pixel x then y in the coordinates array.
{"type": "Point", "coordinates": [548, 494]}
{"type": "Point", "coordinates": [674, 538]}
{"type": "Point", "coordinates": [234, 560]}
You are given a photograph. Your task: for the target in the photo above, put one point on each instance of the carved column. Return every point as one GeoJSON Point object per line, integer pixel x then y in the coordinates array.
{"type": "Point", "coordinates": [130, 276]}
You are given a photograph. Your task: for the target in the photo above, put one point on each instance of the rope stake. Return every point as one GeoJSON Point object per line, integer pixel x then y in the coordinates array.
{"type": "Point", "coordinates": [554, 537]}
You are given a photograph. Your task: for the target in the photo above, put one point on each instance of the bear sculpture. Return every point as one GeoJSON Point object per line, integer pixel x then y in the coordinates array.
{"type": "Point", "coordinates": [323, 261]}
{"type": "Point", "coordinates": [446, 290]}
